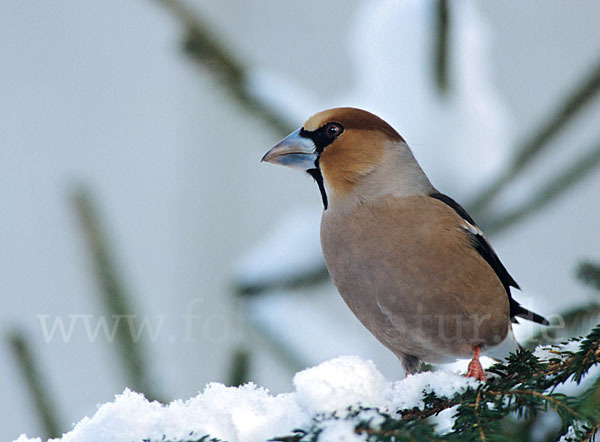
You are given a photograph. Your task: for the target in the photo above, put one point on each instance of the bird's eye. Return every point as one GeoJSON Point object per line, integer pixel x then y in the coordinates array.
{"type": "Point", "coordinates": [332, 130]}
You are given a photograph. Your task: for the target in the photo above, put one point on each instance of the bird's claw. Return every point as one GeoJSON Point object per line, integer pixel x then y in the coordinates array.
{"type": "Point", "coordinates": [475, 370]}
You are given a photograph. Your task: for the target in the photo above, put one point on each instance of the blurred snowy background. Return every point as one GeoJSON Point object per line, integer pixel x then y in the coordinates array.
{"type": "Point", "coordinates": [128, 110]}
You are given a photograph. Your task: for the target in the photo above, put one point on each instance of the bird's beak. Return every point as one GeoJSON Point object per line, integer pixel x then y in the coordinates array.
{"type": "Point", "coordinates": [293, 151]}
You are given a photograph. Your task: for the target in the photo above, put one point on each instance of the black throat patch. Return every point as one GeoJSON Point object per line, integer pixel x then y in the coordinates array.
{"type": "Point", "coordinates": [318, 177]}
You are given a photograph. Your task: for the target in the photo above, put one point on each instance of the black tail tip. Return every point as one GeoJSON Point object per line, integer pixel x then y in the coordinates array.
{"type": "Point", "coordinates": [543, 321]}
{"type": "Point", "coordinates": [533, 317]}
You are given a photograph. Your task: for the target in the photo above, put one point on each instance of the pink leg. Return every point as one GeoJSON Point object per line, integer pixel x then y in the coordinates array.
{"type": "Point", "coordinates": [475, 369]}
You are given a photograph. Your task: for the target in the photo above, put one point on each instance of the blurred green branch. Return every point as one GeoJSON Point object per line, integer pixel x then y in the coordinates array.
{"type": "Point", "coordinates": [307, 279]}
{"type": "Point", "coordinates": [202, 47]}
{"type": "Point", "coordinates": [576, 318]}
{"type": "Point", "coordinates": [28, 367]}
{"type": "Point", "coordinates": [239, 367]}
{"type": "Point", "coordinates": [286, 355]}
{"type": "Point", "coordinates": [114, 296]}
{"type": "Point", "coordinates": [556, 186]}
{"type": "Point", "coordinates": [441, 50]}
{"type": "Point", "coordinates": [539, 141]}
{"type": "Point", "coordinates": [589, 273]}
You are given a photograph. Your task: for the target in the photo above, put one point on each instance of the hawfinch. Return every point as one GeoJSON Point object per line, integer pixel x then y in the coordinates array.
{"type": "Point", "coordinates": [409, 261]}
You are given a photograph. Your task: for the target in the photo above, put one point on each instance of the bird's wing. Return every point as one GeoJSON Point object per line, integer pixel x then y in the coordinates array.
{"type": "Point", "coordinates": [421, 249]}
{"type": "Point", "coordinates": [483, 247]}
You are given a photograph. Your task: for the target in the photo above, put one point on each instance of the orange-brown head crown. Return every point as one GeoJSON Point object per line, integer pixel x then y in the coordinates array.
{"type": "Point", "coordinates": [352, 119]}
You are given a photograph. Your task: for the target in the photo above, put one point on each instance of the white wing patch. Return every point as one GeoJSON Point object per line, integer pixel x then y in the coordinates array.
{"type": "Point", "coordinates": [471, 228]}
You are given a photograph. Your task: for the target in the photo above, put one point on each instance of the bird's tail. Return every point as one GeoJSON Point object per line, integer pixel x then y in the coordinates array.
{"type": "Point", "coordinates": [522, 312]}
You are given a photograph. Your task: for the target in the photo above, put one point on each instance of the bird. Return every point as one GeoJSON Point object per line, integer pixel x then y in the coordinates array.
{"type": "Point", "coordinates": [409, 261]}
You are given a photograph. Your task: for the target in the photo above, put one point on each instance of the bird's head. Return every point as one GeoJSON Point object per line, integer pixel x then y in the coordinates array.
{"type": "Point", "coordinates": [340, 146]}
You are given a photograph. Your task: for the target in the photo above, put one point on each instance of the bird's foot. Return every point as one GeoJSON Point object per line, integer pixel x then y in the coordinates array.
{"type": "Point", "coordinates": [475, 369]}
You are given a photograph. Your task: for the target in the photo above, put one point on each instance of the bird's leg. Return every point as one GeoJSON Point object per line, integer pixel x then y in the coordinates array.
{"type": "Point", "coordinates": [475, 369]}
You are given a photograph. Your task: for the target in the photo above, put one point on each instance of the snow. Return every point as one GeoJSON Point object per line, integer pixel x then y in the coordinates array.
{"type": "Point", "coordinates": [444, 420]}
{"type": "Point", "coordinates": [246, 413]}
{"type": "Point", "coordinates": [408, 392]}
{"type": "Point", "coordinates": [547, 352]}
{"type": "Point", "coordinates": [339, 431]}
{"type": "Point", "coordinates": [250, 413]}
{"type": "Point", "coordinates": [337, 384]}
{"type": "Point", "coordinates": [24, 438]}
{"type": "Point", "coordinates": [571, 434]}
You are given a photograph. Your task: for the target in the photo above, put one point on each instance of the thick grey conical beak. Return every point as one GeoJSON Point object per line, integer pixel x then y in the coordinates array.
{"type": "Point", "coordinates": [293, 151]}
